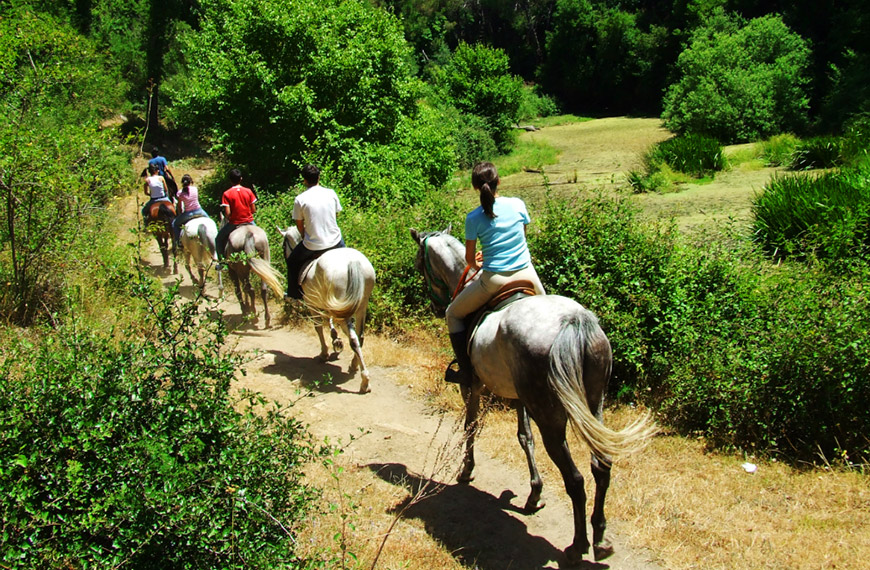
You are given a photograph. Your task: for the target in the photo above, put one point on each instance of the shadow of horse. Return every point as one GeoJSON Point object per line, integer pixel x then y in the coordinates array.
{"type": "Point", "coordinates": [475, 525]}
{"type": "Point", "coordinates": [311, 372]}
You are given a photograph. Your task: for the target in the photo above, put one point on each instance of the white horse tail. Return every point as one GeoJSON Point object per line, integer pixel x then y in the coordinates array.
{"type": "Point", "coordinates": [322, 292]}
{"type": "Point", "coordinates": [579, 334]}
{"type": "Point", "coordinates": [207, 240]}
{"type": "Point", "coordinates": [263, 268]}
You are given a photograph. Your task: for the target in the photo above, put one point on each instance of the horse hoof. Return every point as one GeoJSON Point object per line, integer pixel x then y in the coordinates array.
{"type": "Point", "coordinates": [364, 387]}
{"type": "Point", "coordinates": [533, 506]}
{"type": "Point", "coordinates": [602, 550]}
{"type": "Point", "coordinates": [573, 555]}
{"type": "Point", "coordinates": [323, 357]}
{"type": "Point", "coordinates": [465, 478]}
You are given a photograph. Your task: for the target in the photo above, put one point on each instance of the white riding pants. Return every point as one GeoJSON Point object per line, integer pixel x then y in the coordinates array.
{"type": "Point", "coordinates": [482, 290]}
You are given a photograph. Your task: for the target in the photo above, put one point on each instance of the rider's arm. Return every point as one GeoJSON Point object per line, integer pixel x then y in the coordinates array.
{"type": "Point", "coordinates": [300, 225]}
{"type": "Point", "coordinates": [470, 253]}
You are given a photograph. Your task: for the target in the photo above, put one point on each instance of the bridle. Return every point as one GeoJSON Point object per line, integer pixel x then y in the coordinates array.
{"type": "Point", "coordinates": [432, 280]}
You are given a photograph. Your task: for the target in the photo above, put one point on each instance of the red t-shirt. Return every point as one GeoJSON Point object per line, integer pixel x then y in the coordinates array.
{"type": "Point", "coordinates": [241, 201]}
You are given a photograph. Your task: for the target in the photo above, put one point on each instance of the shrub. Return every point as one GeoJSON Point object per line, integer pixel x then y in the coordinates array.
{"type": "Point", "coordinates": [693, 154]}
{"type": "Point", "coordinates": [779, 149]}
{"type": "Point", "coordinates": [773, 362]}
{"type": "Point", "coordinates": [817, 152]}
{"type": "Point", "coordinates": [824, 216]}
{"type": "Point", "coordinates": [130, 451]}
{"type": "Point", "coordinates": [534, 104]}
{"type": "Point", "coordinates": [740, 85]}
{"type": "Point", "coordinates": [856, 139]}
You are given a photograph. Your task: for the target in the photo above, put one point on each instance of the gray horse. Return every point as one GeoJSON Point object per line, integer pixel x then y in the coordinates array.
{"type": "Point", "coordinates": [248, 250]}
{"type": "Point", "coordinates": [549, 354]}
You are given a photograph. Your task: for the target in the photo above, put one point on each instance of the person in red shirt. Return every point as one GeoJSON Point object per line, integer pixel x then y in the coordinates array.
{"type": "Point", "coordinates": [238, 205]}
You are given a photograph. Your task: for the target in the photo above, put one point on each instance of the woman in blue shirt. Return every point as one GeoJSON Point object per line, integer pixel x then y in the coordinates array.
{"type": "Point", "coordinates": [500, 225]}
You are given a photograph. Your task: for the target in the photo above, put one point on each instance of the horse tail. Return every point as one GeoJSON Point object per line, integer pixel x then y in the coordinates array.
{"type": "Point", "coordinates": [571, 349]}
{"type": "Point", "coordinates": [262, 267]}
{"type": "Point", "coordinates": [322, 295]}
{"type": "Point", "coordinates": [207, 240]}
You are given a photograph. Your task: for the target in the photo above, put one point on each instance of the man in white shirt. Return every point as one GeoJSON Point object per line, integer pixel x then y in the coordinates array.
{"type": "Point", "coordinates": [315, 211]}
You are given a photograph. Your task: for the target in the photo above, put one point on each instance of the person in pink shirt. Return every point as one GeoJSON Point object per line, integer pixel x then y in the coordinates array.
{"type": "Point", "coordinates": [238, 205]}
{"type": "Point", "coordinates": [188, 205]}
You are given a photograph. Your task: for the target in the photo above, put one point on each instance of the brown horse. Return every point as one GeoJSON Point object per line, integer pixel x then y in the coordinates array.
{"type": "Point", "coordinates": [248, 250]}
{"type": "Point", "coordinates": [159, 222]}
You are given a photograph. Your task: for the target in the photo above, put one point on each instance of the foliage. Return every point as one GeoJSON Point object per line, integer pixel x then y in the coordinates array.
{"type": "Point", "coordinates": [601, 58]}
{"type": "Point", "coordinates": [399, 295]}
{"type": "Point", "coordinates": [816, 152]}
{"type": "Point", "coordinates": [535, 104]}
{"type": "Point", "coordinates": [274, 83]}
{"type": "Point", "coordinates": [478, 82]}
{"type": "Point", "coordinates": [772, 362]}
{"type": "Point", "coordinates": [856, 139]}
{"type": "Point", "coordinates": [825, 216]}
{"type": "Point", "coordinates": [132, 451]}
{"type": "Point", "coordinates": [740, 85]}
{"type": "Point", "coordinates": [778, 149]}
{"type": "Point", "coordinates": [56, 164]}
{"type": "Point", "coordinates": [691, 154]}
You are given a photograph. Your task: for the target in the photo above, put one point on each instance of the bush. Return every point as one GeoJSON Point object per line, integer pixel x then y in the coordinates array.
{"type": "Point", "coordinates": [690, 154]}
{"type": "Point", "coordinates": [774, 363]}
{"type": "Point", "coordinates": [742, 85]}
{"type": "Point", "coordinates": [817, 152]}
{"type": "Point", "coordinates": [856, 139]}
{"type": "Point", "coordinates": [534, 104]}
{"type": "Point", "coordinates": [825, 216]}
{"type": "Point", "coordinates": [130, 451]}
{"type": "Point", "coordinates": [779, 149]}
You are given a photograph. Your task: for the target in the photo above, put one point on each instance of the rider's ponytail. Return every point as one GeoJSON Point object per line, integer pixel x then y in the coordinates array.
{"type": "Point", "coordinates": [484, 178]}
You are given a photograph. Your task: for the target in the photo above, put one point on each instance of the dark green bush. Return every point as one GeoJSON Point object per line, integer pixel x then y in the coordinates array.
{"type": "Point", "coordinates": [778, 149]}
{"type": "Point", "coordinates": [131, 451]}
{"type": "Point", "coordinates": [692, 154]}
{"type": "Point", "coordinates": [774, 363]}
{"type": "Point", "coordinates": [824, 216]}
{"type": "Point", "coordinates": [817, 152]}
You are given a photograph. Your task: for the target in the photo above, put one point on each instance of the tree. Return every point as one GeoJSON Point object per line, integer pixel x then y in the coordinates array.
{"type": "Point", "coordinates": [272, 82]}
{"type": "Point", "coordinates": [739, 83]}
{"type": "Point", "coordinates": [478, 82]}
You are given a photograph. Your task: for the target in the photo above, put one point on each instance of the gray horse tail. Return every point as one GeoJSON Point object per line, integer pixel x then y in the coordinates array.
{"type": "Point", "coordinates": [262, 267]}
{"type": "Point", "coordinates": [579, 336]}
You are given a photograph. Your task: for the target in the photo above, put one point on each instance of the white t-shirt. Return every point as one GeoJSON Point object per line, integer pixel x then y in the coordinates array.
{"type": "Point", "coordinates": [155, 185]}
{"type": "Point", "coordinates": [317, 207]}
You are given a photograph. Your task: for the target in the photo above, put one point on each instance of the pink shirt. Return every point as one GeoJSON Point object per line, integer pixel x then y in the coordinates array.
{"type": "Point", "coordinates": [189, 197]}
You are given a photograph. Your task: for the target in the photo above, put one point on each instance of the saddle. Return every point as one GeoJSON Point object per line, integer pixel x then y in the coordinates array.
{"type": "Point", "coordinates": [510, 292]}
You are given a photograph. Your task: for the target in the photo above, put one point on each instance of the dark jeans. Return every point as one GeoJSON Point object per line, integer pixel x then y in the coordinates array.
{"type": "Point", "coordinates": [297, 260]}
{"type": "Point", "coordinates": [220, 241]}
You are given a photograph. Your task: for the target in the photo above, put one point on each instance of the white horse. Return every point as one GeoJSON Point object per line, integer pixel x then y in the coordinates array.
{"type": "Point", "coordinates": [550, 355]}
{"type": "Point", "coordinates": [197, 241]}
{"type": "Point", "coordinates": [336, 287]}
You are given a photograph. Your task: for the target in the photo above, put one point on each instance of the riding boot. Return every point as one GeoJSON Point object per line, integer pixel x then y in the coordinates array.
{"type": "Point", "coordinates": [462, 375]}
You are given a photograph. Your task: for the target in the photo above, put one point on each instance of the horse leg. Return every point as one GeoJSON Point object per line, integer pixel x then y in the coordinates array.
{"type": "Point", "coordinates": [472, 405]}
{"type": "Point", "coordinates": [324, 349]}
{"type": "Point", "coordinates": [238, 287]}
{"type": "Point", "coordinates": [601, 547]}
{"type": "Point", "coordinates": [553, 434]}
{"type": "Point", "coordinates": [264, 294]}
{"type": "Point", "coordinates": [527, 442]}
{"type": "Point", "coordinates": [356, 346]}
{"type": "Point", "coordinates": [337, 345]}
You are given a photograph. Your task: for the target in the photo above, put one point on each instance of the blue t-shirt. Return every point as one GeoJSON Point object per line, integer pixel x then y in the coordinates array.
{"type": "Point", "coordinates": [160, 163]}
{"type": "Point", "coordinates": [502, 238]}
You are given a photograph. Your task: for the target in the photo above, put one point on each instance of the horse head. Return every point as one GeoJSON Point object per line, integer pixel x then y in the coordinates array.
{"type": "Point", "coordinates": [440, 260]}
{"type": "Point", "coordinates": [292, 238]}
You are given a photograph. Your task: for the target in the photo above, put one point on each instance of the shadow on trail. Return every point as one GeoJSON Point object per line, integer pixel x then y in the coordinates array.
{"type": "Point", "coordinates": [474, 525]}
{"type": "Point", "coordinates": [312, 373]}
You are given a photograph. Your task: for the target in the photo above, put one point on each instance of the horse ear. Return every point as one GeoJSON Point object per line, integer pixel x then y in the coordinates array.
{"type": "Point", "coordinates": [415, 235]}
{"type": "Point", "coordinates": [448, 229]}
